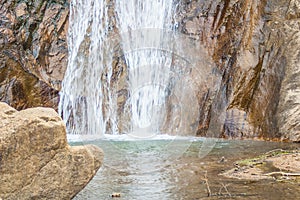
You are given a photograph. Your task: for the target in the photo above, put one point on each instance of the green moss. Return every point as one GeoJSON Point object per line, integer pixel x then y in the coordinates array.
{"type": "Point", "coordinates": [260, 159]}
{"type": "Point", "coordinates": [250, 162]}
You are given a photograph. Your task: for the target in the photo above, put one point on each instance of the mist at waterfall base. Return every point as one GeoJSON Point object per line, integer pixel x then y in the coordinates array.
{"type": "Point", "coordinates": [133, 73]}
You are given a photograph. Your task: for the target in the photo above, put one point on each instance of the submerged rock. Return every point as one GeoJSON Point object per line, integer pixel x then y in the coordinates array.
{"type": "Point", "coordinates": [35, 160]}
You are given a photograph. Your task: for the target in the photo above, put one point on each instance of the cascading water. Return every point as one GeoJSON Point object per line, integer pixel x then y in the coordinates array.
{"type": "Point", "coordinates": [166, 73]}
{"type": "Point", "coordinates": [87, 102]}
{"type": "Point", "coordinates": [81, 103]}
{"type": "Point", "coordinates": [143, 26]}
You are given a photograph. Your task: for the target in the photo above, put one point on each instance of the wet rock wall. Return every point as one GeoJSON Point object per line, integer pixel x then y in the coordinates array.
{"type": "Point", "coordinates": [33, 51]}
{"type": "Point", "coordinates": [254, 44]}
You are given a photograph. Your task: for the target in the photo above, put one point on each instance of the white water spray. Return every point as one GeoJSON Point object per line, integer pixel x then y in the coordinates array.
{"type": "Point", "coordinates": [164, 71]}
{"type": "Point", "coordinates": [81, 103]}
{"type": "Point", "coordinates": [88, 102]}
{"type": "Point", "coordinates": [143, 26]}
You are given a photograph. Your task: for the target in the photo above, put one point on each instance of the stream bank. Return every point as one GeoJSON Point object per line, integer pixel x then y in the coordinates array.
{"type": "Point", "coordinates": [154, 170]}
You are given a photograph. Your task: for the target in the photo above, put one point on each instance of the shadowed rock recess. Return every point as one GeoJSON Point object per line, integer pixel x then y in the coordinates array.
{"type": "Point", "coordinates": [35, 160]}
{"type": "Point", "coordinates": [255, 44]}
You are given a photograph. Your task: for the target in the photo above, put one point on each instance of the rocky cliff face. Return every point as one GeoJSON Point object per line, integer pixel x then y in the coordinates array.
{"type": "Point", "coordinates": [253, 43]}
{"type": "Point", "coordinates": [35, 160]}
{"type": "Point", "coordinates": [33, 51]}
{"type": "Point", "coordinates": [288, 113]}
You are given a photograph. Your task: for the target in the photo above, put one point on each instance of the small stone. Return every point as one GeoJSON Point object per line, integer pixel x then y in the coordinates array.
{"type": "Point", "coordinates": [116, 195]}
{"type": "Point", "coordinates": [222, 160]}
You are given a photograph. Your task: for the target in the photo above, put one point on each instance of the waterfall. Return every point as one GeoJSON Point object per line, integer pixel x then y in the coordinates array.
{"type": "Point", "coordinates": [130, 72]}
{"type": "Point", "coordinates": [144, 26]}
{"type": "Point", "coordinates": [81, 96]}
{"type": "Point", "coordinates": [87, 102]}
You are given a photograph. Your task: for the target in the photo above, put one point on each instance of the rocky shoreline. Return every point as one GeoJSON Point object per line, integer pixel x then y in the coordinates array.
{"type": "Point", "coordinates": [278, 164]}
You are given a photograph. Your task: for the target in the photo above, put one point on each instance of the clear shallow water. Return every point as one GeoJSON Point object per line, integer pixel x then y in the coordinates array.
{"type": "Point", "coordinates": [173, 169]}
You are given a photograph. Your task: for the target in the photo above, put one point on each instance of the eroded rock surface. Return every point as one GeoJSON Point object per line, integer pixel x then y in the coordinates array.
{"type": "Point", "coordinates": [256, 46]}
{"type": "Point", "coordinates": [33, 51]}
{"type": "Point", "coordinates": [35, 160]}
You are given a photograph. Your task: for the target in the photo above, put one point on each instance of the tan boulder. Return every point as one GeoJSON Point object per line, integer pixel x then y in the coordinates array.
{"type": "Point", "coordinates": [36, 161]}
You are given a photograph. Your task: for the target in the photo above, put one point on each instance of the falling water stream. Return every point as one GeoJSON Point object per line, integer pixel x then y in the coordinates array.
{"type": "Point", "coordinates": [143, 25]}
{"type": "Point", "coordinates": [88, 103]}
{"type": "Point", "coordinates": [81, 96]}
{"type": "Point", "coordinates": [164, 70]}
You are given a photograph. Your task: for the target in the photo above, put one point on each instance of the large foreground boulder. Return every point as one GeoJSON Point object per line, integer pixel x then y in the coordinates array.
{"type": "Point", "coordinates": [36, 161]}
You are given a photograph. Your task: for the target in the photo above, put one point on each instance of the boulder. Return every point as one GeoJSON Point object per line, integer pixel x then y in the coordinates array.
{"type": "Point", "coordinates": [36, 161]}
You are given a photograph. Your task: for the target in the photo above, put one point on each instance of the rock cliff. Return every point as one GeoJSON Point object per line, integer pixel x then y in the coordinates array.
{"type": "Point", "coordinates": [255, 44]}
{"type": "Point", "coordinates": [33, 51]}
{"type": "Point", "coordinates": [35, 160]}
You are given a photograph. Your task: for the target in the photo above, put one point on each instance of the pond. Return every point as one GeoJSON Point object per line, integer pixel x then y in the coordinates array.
{"type": "Point", "coordinates": [181, 168]}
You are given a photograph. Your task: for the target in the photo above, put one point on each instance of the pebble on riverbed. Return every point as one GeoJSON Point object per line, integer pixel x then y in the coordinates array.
{"type": "Point", "coordinates": [116, 195]}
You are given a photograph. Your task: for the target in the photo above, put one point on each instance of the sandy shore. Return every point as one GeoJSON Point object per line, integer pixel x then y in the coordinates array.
{"type": "Point", "coordinates": [277, 164]}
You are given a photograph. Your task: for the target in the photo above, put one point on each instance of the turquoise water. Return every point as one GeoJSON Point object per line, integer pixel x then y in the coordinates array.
{"type": "Point", "coordinates": [176, 169]}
